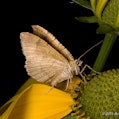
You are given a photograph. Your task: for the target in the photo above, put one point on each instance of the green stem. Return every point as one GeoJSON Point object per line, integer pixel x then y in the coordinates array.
{"type": "Point", "coordinates": [106, 47]}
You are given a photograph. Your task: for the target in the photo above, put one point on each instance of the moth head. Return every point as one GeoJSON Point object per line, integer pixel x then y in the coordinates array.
{"type": "Point", "coordinates": [78, 62]}
{"type": "Point", "coordinates": [75, 69]}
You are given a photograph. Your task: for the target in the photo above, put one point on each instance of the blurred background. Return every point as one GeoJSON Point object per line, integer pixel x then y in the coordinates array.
{"type": "Point", "coordinates": [58, 17]}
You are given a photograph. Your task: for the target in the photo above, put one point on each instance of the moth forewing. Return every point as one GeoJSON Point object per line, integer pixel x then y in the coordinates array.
{"type": "Point", "coordinates": [43, 33]}
{"type": "Point", "coordinates": [33, 45]}
{"type": "Point", "coordinates": [43, 62]}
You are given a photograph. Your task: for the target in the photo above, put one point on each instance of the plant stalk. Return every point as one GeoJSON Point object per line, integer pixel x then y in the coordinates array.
{"type": "Point", "coordinates": [104, 52]}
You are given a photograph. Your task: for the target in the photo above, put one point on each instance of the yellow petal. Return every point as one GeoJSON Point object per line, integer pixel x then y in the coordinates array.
{"type": "Point", "coordinates": [27, 84]}
{"type": "Point", "coordinates": [93, 5]}
{"type": "Point", "coordinates": [100, 6]}
{"type": "Point", "coordinates": [117, 20]}
{"type": "Point", "coordinates": [39, 102]}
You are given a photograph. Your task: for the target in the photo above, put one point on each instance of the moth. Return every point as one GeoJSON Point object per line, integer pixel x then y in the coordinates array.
{"type": "Point", "coordinates": [47, 60]}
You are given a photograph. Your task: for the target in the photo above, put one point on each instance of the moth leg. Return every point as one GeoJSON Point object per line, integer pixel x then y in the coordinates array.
{"type": "Point", "coordinates": [49, 90]}
{"type": "Point", "coordinates": [82, 70]}
{"type": "Point", "coordinates": [68, 82]}
{"type": "Point", "coordinates": [83, 77]}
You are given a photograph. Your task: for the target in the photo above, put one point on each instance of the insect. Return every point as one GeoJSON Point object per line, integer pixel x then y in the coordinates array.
{"type": "Point", "coordinates": [47, 60]}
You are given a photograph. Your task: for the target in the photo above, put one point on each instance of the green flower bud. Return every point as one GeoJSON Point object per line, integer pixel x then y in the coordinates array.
{"type": "Point", "coordinates": [107, 13]}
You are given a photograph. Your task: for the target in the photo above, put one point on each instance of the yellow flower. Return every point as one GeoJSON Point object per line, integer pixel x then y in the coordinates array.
{"type": "Point", "coordinates": [39, 101]}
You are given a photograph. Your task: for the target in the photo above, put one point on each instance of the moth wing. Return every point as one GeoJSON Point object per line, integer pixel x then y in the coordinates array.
{"type": "Point", "coordinates": [44, 69]}
{"type": "Point", "coordinates": [42, 60]}
{"type": "Point", "coordinates": [33, 45]}
{"type": "Point", "coordinates": [46, 35]}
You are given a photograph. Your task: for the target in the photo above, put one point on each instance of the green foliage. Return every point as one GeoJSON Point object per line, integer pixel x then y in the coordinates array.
{"type": "Point", "coordinates": [83, 3]}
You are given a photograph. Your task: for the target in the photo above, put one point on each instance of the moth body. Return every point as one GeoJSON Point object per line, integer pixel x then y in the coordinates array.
{"type": "Point", "coordinates": [66, 74]}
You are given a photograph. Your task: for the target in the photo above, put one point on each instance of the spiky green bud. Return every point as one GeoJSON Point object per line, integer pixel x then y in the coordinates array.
{"type": "Point", "coordinates": [100, 98]}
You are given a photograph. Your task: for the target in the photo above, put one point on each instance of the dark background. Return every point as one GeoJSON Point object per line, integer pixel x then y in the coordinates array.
{"type": "Point", "coordinates": [58, 17]}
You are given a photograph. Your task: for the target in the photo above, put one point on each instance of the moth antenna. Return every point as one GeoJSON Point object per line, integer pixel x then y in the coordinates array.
{"type": "Point", "coordinates": [89, 50]}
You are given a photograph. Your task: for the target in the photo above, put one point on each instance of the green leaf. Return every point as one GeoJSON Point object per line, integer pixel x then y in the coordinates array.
{"type": "Point", "coordinates": [104, 28]}
{"type": "Point", "coordinates": [83, 3]}
{"type": "Point", "coordinates": [91, 19]}
{"type": "Point", "coordinates": [117, 33]}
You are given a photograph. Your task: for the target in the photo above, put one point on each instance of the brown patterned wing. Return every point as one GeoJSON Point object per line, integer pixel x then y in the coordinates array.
{"type": "Point", "coordinates": [42, 60]}
{"type": "Point", "coordinates": [43, 33]}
